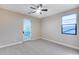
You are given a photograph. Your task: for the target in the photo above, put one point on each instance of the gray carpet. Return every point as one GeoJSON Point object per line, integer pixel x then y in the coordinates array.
{"type": "Point", "coordinates": [38, 47]}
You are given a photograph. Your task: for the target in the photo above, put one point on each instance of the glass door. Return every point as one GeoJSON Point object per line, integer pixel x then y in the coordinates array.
{"type": "Point", "coordinates": [27, 29]}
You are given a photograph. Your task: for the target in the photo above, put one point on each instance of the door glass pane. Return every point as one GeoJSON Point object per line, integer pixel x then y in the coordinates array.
{"type": "Point", "coordinates": [27, 29]}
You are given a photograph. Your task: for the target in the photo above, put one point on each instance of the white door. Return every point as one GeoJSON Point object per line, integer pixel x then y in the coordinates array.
{"type": "Point", "coordinates": [27, 29]}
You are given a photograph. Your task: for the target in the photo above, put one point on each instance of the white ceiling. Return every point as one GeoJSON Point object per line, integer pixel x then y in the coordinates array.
{"type": "Point", "coordinates": [52, 8]}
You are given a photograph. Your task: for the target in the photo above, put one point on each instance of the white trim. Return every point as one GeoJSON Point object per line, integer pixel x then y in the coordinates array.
{"type": "Point", "coordinates": [11, 44]}
{"type": "Point", "coordinates": [32, 39]}
{"type": "Point", "coordinates": [35, 38]}
{"type": "Point", "coordinates": [67, 45]}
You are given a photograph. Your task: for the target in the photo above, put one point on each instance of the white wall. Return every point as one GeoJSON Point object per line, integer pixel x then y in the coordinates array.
{"type": "Point", "coordinates": [11, 27]}
{"type": "Point", "coordinates": [51, 29]}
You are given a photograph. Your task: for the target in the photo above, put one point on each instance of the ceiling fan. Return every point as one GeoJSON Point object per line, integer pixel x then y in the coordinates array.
{"type": "Point", "coordinates": [38, 9]}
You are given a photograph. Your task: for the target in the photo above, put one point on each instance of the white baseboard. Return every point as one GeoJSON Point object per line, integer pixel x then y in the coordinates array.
{"type": "Point", "coordinates": [36, 38]}
{"type": "Point", "coordinates": [67, 45]}
{"type": "Point", "coordinates": [11, 44]}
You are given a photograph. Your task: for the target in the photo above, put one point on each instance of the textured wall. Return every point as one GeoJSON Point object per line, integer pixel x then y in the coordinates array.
{"type": "Point", "coordinates": [11, 27]}
{"type": "Point", "coordinates": [51, 29]}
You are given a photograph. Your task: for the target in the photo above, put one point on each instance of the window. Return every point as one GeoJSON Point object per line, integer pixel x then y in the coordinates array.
{"type": "Point", "coordinates": [69, 25]}
{"type": "Point", "coordinates": [27, 29]}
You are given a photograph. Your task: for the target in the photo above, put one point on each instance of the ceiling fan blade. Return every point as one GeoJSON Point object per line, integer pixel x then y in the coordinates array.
{"type": "Point", "coordinates": [40, 12]}
{"type": "Point", "coordinates": [32, 8]}
{"type": "Point", "coordinates": [37, 6]}
{"type": "Point", "coordinates": [40, 5]}
{"type": "Point", "coordinates": [44, 10]}
{"type": "Point", "coordinates": [32, 12]}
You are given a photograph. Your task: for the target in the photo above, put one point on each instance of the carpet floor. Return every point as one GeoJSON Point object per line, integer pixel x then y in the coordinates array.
{"type": "Point", "coordinates": [38, 47]}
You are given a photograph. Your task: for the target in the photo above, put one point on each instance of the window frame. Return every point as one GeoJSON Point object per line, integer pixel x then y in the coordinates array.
{"type": "Point", "coordinates": [69, 24]}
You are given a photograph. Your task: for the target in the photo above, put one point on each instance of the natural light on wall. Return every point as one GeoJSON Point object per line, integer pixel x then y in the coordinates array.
{"type": "Point", "coordinates": [69, 25]}
{"type": "Point", "coordinates": [26, 29]}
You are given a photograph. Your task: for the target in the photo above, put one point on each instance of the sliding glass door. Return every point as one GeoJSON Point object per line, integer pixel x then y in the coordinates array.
{"type": "Point", "coordinates": [27, 29]}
